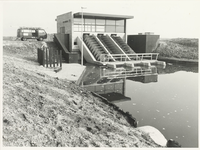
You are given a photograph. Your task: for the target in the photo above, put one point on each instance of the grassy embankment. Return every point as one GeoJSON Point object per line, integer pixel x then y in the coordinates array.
{"type": "Point", "coordinates": [179, 48]}
{"type": "Point", "coordinates": [40, 110]}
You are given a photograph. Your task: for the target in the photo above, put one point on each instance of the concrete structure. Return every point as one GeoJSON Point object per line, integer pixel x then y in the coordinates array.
{"type": "Point", "coordinates": [101, 39]}
{"type": "Point", "coordinates": [143, 42]}
{"type": "Point", "coordinates": [70, 34]}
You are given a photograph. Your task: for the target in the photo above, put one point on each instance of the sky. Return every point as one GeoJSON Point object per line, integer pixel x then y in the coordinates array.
{"type": "Point", "coordinates": [167, 18]}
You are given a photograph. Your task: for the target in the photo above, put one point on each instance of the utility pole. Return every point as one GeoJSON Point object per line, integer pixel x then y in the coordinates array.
{"type": "Point", "coordinates": [82, 34]}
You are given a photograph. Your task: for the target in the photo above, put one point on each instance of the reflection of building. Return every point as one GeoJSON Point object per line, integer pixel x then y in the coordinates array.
{"type": "Point", "coordinates": [148, 75]}
{"type": "Point", "coordinates": [145, 78]}
{"type": "Point", "coordinates": [111, 83]}
{"type": "Point", "coordinates": [110, 87]}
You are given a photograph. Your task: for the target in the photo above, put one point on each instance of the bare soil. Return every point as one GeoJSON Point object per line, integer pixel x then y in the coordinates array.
{"type": "Point", "coordinates": [43, 111]}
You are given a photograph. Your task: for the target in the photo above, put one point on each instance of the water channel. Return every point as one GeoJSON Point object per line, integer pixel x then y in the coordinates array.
{"type": "Point", "coordinates": [163, 97]}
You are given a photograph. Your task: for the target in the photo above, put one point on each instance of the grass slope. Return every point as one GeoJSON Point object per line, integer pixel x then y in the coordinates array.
{"type": "Point", "coordinates": [181, 48]}
{"type": "Point", "coordinates": [42, 111]}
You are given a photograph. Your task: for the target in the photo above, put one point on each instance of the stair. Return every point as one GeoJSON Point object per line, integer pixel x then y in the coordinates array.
{"type": "Point", "coordinates": [122, 44]}
{"type": "Point", "coordinates": [94, 46]}
{"type": "Point", "coordinates": [108, 44]}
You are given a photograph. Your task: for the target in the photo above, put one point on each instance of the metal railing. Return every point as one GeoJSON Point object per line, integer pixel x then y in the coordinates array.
{"type": "Point", "coordinates": [136, 71]}
{"type": "Point", "coordinates": [128, 57]}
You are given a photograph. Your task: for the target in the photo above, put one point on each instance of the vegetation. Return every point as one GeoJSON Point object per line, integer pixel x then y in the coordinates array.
{"type": "Point", "coordinates": [181, 48]}
{"type": "Point", "coordinates": [43, 111]}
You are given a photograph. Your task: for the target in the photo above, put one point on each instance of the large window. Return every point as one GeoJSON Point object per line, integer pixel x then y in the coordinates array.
{"type": "Point", "coordinates": [120, 26]}
{"type": "Point", "coordinates": [100, 28]}
{"type": "Point", "coordinates": [77, 21]}
{"type": "Point", "coordinates": [89, 21]}
{"type": "Point", "coordinates": [89, 28]}
{"type": "Point", "coordinates": [110, 26]}
{"type": "Point", "coordinates": [110, 29]}
{"type": "Point", "coordinates": [100, 22]}
{"type": "Point", "coordinates": [110, 22]}
{"type": "Point", "coordinates": [77, 24]}
{"type": "Point", "coordinates": [77, 27]}
{"type": "Point", "coordinates": [120, 22]}
{"type": "Point", "coordinates": [99, 25]}
{"type": "Point", "coordinates": [89, 25]}
{"type": "Point", "coordinates": [120, 29]}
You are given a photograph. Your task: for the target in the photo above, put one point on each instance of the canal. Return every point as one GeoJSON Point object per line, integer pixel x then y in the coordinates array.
{"type": "Point", "coordinates": [163, 97]}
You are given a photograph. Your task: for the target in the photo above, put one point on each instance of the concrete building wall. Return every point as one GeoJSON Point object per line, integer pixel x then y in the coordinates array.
{"type": "Point", "coordinates": [143, 43]}
{"type": "Point", "coordinates": [65, 26]}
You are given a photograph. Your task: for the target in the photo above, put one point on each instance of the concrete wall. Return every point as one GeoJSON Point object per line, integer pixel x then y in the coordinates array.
{"type": "Point", "coordinates": [86, 52]}
{"type": "Point", "coordinates": [143, 43]}
{"type": "Point", "coordinates": [66, 21]}
{"type": "Point", "coordinates": [152, 42]}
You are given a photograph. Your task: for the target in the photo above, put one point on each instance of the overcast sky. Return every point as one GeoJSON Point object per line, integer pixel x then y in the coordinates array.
{"type": "Point", "coordinates": [167, 18]}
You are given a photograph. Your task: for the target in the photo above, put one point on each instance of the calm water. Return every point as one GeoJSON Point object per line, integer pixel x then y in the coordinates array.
{"type": "Point", "coordinates": [165, 98]}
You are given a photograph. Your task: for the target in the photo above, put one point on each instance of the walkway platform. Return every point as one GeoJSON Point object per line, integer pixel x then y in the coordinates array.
{"type": "Point", "coordinates": [70, 72]}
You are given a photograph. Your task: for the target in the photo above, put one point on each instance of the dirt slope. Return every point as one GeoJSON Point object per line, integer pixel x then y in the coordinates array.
{"type": "Point", "coordinates": [39, 110]}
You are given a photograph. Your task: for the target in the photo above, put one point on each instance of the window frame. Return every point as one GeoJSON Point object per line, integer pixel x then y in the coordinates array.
{"type": "Point", "coordinates": [94, 26]}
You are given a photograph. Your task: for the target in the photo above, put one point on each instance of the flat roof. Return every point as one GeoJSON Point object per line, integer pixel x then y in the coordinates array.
{"type": "Point", "coordinates": [101, 16]}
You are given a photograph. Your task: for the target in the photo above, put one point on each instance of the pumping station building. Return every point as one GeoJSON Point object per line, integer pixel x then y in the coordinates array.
{"type": "Point", "coordinates": [102, 39]}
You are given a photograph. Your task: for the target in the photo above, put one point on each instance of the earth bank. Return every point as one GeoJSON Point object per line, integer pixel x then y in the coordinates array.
{"type": "Point", "coordinates": [178, 48]}
{"type": "Point", "coordinates": [41, 110]}
{"type": "Point", "coordinates": [44, 109]}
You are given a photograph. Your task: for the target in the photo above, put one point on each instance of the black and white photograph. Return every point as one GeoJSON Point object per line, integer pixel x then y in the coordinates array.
{"type": "Point", "coordinates": [107, 74]}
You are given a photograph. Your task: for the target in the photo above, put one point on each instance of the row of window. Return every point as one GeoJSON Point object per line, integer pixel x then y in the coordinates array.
{"type": "Point", "coordinates": [26, 30]}
{"type": "Point", "coordinates": [117, 29]}
{"type": "Point", "coordinates": [99, 25]}
{"type": "Point", "coordinates": [32, 31]}
{"type": "Point", "coordinates": [99, 21]}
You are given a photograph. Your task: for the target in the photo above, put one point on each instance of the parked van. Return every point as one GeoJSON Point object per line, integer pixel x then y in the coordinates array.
{"type": "Point", "coordinates": [25, 33]}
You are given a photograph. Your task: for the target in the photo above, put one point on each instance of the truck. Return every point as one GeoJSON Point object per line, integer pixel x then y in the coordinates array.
{"type": "Point", "coordinates": [25, 33]}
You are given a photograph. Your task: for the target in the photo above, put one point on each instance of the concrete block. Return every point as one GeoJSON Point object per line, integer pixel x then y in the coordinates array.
{"type": "Point", "coordinates": [111, 66]}
{"type": "Point", "coordinates": [129, 65]}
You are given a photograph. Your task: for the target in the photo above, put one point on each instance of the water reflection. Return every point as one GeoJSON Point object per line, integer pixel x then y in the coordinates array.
{"type": "Point", "coordinates": [166, 98]}
{"type": "Point", "coordinates": [111, 83]}
{"type": "Point", "coordinates": [174, 67]}
{"type": "Point", "coordinates": [170, 105]}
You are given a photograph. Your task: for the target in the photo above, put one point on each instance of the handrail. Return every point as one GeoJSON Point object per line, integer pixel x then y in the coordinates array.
{"type": "Point", "coordinates": [124, 46]}
{"type": "Point", "coordinates": [116, 45]}
{"type": "Point", "coordinates": [137, 71]}
{"type": "Point", "coordinates": [135, 57]}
